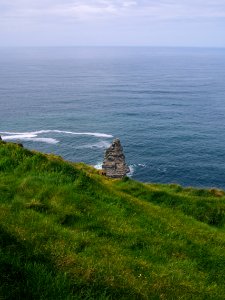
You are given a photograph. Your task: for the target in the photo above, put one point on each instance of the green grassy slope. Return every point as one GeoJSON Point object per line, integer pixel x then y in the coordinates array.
{"type": "Point", "coordinates": [67, 232]}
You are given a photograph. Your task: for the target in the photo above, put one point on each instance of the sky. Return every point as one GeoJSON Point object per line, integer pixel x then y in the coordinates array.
{"type": "Point", "coordinates": [191, 23]}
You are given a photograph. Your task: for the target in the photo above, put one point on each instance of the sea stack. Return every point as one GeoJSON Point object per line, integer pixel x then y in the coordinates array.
{"type": "Point", "coordinates": [114, 164]}
{"type": "Point", "coordinates": [0, 138]}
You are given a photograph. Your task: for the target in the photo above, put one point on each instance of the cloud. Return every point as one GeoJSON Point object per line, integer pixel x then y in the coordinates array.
{"type": "Point", "coordinates": [89, 9]}
{"type": "Point", "coordinates": [112, 22]}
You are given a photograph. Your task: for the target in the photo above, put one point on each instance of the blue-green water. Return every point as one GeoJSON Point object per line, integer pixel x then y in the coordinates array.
{"type": "Point", "coordinates": [166, 105]}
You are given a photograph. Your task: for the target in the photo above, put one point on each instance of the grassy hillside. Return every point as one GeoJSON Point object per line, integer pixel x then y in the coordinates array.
{"type": "Point", "coordinates": [67, 232]}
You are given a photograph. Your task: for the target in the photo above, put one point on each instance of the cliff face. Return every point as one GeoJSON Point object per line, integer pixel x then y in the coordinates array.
{"type": "Point", "coordinates": [114, 163]}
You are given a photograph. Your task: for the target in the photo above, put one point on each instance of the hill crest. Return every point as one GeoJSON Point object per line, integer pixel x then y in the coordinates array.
{"type": "Point", "coordinates": [69, 233]}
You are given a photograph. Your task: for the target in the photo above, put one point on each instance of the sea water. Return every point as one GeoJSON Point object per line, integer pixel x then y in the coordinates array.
{"type": "Point", "coordinates": [167, 106]}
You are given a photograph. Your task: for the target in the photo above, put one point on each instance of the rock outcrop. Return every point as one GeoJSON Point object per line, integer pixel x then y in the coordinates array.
{"type": "Point", "coordinates": [114, 164]}
{"type": "Point", "coordinates": [0, 138]}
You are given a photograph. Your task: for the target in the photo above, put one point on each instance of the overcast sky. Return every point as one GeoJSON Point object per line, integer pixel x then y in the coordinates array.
{"type": "Point", "coordinates": [112, 22]}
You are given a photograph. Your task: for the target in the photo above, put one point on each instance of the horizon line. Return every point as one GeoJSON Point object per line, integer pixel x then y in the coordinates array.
{"type": "Point", "coordinates": [108, 46]}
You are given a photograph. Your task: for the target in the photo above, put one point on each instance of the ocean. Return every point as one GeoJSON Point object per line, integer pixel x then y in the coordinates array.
{"type": "Point", "coordinates": [167, 106]}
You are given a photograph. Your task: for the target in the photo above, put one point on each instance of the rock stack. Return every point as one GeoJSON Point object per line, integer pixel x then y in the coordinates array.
{"type": "Point", "coordinates": [0, 138]}
{"type": "Point", "coordinates": [114, 164]}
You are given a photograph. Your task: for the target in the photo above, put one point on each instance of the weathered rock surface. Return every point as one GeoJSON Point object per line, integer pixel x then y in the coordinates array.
{"type": "Point", "coordinates": [114, 164]}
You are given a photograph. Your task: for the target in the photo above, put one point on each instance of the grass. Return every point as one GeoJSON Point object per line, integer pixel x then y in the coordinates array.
{"type": "Point", "coordinates": [67, 232]}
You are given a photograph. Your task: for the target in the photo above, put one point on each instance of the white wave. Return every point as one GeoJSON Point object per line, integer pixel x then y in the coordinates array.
{"type": "Point", "coordinates": [139, 165]}
{"type": "Point", "coordinates": [33, 136]}
{"type": "Point", "coordinates": [98, 166]}
{"type": "Point", "coordinates": [132, 169]}
{"type": "Point", "coordinates": [29, 137]}
{"type": "Point", "coordinates": [18, 136]}
{"type": "Point", "coordinates": [142, 165]}
{"type": "Point", "coordinates": [45, 140]}
{"type": "Point", "coordinates": [95, 134]}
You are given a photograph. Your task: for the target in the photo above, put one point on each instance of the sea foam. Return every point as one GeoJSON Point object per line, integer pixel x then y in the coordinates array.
{"type": "Point", "coordinates": [95, 134]}
{"type": "Point", "coordinates": [32, 136]}
{"type": "Point", "coordinates": [98, 166]}
{"type": "Point", "coordinates": [29, 137]}
{"type": "Point", "coordinates": [132, 169]}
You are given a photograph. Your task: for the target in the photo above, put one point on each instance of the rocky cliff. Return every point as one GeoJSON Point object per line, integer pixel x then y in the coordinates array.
{"type": "Point", "coordinates": [114, 164]}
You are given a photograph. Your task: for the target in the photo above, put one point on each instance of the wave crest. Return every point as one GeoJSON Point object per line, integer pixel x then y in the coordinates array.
{"type": "Point", "coordinates": [33, 136]}
{"type": "Point", "coordinates": [29, 137]}
{"type": "Point", "coordinates": [95, 134]}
